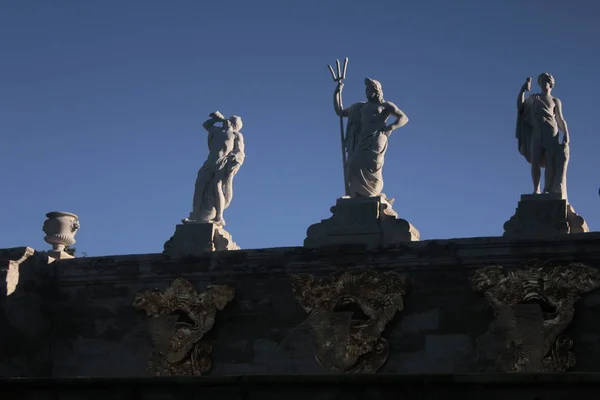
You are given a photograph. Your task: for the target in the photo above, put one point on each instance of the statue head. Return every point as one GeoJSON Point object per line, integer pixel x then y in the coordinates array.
{"type": "Point", "coordinates": [235, 123]}
{"type": "Point", "coordinates": [374, 90]}
{"type": "Point", "coordinates": [546, 81]}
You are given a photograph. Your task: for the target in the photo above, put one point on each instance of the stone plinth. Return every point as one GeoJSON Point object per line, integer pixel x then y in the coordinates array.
{"type": "Point", "coordinates": [59, 255]}
{"type": "Point", "coordinates": [542, 215]}
{"type": "Point", "coordinates": [198, 238]}
{"type": "Point", "coordinates": [369, 221]}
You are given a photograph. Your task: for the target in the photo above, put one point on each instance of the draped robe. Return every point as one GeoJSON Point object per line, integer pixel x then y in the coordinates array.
{"type": "Point", "coordinates": [537, 129]}
{"type": "Point", "coordinates": [366, 146]}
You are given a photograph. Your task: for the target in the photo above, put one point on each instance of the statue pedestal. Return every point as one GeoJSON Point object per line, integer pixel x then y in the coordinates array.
{"type": "Point", "coordinates": [369, 221]}
{"type": "Point", "coordinates": [542, 215]}
{"type": "Point", "coordinates": [197, 238]}
{"type": "Point", "coordinates": [58, 255]}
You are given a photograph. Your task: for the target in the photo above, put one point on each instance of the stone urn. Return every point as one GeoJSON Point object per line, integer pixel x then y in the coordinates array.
{"type": "Point", "coordinates": [60, 229]}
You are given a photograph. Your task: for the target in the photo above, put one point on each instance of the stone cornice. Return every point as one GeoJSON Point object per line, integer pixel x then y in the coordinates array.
{"type": "Point", "coordinates": [429, 254]}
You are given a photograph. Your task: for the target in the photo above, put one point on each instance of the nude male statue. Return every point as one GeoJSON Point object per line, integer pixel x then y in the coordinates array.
{"type": "Point", "coordinates": [540, 117]}
{"type": "Point", "coordinates": [214, 184]}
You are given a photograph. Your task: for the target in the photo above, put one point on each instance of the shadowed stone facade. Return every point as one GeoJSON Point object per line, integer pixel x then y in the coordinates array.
{"type": "Point", "coordinates": [82, 309]}
{"type": "Point", "coordinates": [76, 317]}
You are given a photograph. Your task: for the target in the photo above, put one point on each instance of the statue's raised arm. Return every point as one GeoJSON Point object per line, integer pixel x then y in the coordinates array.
{"type": "Point", "coordinates": [337, 101]}
{"type": "Point", "coordinates": [214, 118]}
{"type": "Point", "coordinates": [521, 97]}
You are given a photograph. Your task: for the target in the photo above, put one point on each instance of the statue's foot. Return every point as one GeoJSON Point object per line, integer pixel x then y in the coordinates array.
{"type": "Point", "coordinates": [186, 221]}
{"type": "Point", "coordinates": [218, 221]}
{"type": "Point", "coordinates": [388, 199]}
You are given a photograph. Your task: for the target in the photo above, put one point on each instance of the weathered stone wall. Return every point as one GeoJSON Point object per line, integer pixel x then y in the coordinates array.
{"type": "Point", "coordinates": [27, 292]}
{"type": "Point", "coordinates": [95, 330]}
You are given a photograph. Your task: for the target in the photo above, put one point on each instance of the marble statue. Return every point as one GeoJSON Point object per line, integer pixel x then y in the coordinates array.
{"type": "Point", "coordinates": [364, 215]}
{"type": "Point", "coordinates": [214, 184]}
{"type": "Point", "coordinates": [366, 138]}
{"type": "Point", "coordinates": [546, 212]}
{"type": "Point", "coordinates": [539, 120]}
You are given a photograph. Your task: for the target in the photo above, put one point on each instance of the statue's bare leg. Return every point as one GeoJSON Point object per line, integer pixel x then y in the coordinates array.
{"type": "Point", "coordinates": [228, 191]}
{"type": "Point", "coordinates": [228, 185]}
{"type": "Point", "coordinates": [219, 205]}
{"type": "Point", "coordinates": [536, 169]}
{"type": "Point", "coordinates": [220, 197]}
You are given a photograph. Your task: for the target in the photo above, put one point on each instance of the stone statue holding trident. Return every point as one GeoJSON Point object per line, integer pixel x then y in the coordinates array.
{"type": "Point", "coordinates": [364, 215]}
{"type": "Point", "coordinates": [365, 142]}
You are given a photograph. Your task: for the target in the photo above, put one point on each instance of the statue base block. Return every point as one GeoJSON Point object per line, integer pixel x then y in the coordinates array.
{"type": "Point", "coordinates": [542, 215]}
{"type": "Point", "coordinates": [194, 239]}
{"type": "Point", "coordinates": [369, 221]}
{"type": "Point", "coordinates": [58, 255]}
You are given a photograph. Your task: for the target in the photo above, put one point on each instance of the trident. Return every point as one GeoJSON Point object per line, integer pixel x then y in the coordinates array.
{"type": "Point", "coordinates": [341, 75]}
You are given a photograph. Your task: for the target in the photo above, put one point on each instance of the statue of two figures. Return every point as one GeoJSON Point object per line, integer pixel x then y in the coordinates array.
{"type": "Point", "coordinates": [214, 185]}
{"type": "Point", "coordinates": [539, 123]}
{"type": "Point", "coordinates": [203, 230]}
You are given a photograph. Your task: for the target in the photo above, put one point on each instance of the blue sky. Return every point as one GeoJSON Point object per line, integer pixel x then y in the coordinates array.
{"type": "Point", "coordinates": [102, 104]}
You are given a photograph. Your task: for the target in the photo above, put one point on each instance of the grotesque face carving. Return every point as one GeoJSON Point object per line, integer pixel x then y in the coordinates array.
{"type": "Point", "coordinates": [348, 312]}
{"type": "Point", "coordinates": [554, 289]}
{"type": "Point", "coordinates": [178, 319]}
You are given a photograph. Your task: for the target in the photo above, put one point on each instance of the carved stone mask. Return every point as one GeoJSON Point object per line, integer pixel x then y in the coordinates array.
{"type": "Point", "coordinates": [348, 312]}
{"type": "Point", "coordinates": [179, 318]}
{"type": "Point", "coordinates": [554, 288]}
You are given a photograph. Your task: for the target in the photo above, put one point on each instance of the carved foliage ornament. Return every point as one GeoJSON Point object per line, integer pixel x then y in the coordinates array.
{"type": "Point", "coordinates": [556, 287]}
{"type": "Point", "coordinates": [345, 342]}
{"type": "Point", "coordinates": [178, 318]}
